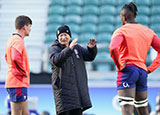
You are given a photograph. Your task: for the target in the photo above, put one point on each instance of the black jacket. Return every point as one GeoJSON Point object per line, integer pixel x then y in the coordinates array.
{"type": "Point", "coordinates": [69, 77]}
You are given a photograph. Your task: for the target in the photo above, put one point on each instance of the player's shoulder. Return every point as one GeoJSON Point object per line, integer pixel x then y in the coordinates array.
{"type": "Point", "coordinates": [17, 42]}
{"type": "Point", "coordinates": [118, 31]}
{"type": "Point", "coordinates": [16, 38]}
{"type": "Point", "coordinates": [147, 28]}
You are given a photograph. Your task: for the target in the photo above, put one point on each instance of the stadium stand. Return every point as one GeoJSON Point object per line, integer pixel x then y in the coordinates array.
{"type": "Point", "coordinates": [106, 9]}
{"type": "Point", "coordinates": [73, 2]}
{"type": "Point", "coordinates": [92, 2]}
{"type": "Point", "coordinates": [106, 19]}
{"type": "Point", "coordinates": [155, 2]}
{"type": "Point", "coordinates": [109, 2]}
{"type": "Point", "coordinates": [144, 10]}
{"type": "Point", "coordinates": [91, 19]}
{"type": "Point", "coordinates": [63, 2]}
{"type": "Point", "coordinates": [88, 28]}
{"type": "Point", "coordinates": [155, 10]}
{"type": "Point", "coordinates": [56, 10]}
{"type": "Point", "coordinates": [73, 9]}
{"type": "Point", "coordinates": [57, 19]}
{"type": "Point", "coordinates": [83, 38]}
{"type": "Point", "coordinates": [74, 28]}
{"type": "Point", "coordinates": [34, 43]}
{"type": "Point", "coordinates": [105, 28]}
{"type": "Point", "coordinates": [143, 19]}
{"type": "Point", "coordinates": [76, 19]}
{"type": "Point", "coordinates": [122, 2]}
{"type": "Point", "coordinates": [143, 2]}
{"type": "Point", "coordinates": [90, 9]}
{"type": "Point", "coordinates": [155, 19]}
{"type": "Point", "coordinates": [86, 18]}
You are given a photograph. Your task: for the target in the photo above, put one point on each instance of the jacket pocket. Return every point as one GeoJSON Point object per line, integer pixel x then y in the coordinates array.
{"type": "Point", "coordinates": [56, 83]}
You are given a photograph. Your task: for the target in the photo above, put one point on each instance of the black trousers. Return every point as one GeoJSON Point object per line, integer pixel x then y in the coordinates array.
{"type": "Point", "coordinates": [72, 112]}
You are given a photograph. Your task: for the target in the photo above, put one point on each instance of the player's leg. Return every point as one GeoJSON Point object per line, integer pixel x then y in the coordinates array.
{"type": "Point", "coordinates": [18, 97]}
{"type": "Point", "coordinates": [19, 108]}
{"type": "Point", "coordinates": [24, 97]}
{"type": "Point", "coordinates": [126, 100]}
{"type": "Point", "coordinates": [25, 108]}
{"type": "Point", "coordinates": [126, 85]}
{"type": "Point", "coordinates": [141, 100]}
{"type": "Point", "coordinates": [141, 103]}
{"type": "Point", "coordinates": [16, 108]}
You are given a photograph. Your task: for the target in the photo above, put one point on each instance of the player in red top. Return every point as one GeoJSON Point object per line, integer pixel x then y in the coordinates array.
{"type": "Point", "coordinates": [128, 48]}
{"type": "Point", "coordinates": [18, 78]}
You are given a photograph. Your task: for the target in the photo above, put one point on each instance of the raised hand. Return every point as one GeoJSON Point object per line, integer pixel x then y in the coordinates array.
{"type": "Point", "coordinates": [73, 43]}
{"type": "Point", "coordinates": [92, 43]}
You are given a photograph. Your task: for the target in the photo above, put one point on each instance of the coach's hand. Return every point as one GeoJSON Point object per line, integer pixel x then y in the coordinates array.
{"type": "Point", "coordinates": [92, 43]}
{"type": "Point", "coordinates": [73, 43]}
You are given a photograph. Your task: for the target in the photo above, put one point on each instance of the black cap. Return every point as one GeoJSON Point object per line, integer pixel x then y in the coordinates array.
{"type": "Point", "coordinates": [63, 29]}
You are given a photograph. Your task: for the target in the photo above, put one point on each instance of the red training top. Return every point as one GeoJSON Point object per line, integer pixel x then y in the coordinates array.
{"type": "Point", "coordinates": [130, 45]}
{"type": "Point", "coordinates": [17, 60]}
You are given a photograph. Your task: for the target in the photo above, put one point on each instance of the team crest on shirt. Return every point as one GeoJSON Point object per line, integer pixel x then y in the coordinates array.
{"type": "Point", "coordinates": [76, 52]}
{"type": "Point", "coordinates": [125, 85]}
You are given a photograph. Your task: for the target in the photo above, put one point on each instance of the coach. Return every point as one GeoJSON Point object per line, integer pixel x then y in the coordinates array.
{"type": "Point", "coordinates": [69, 77]}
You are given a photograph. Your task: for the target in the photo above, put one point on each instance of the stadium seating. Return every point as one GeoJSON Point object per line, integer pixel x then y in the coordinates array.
{"type": "Point", "coordinates": [109, 2]}
{"type": "Point", "coordinates": [90, 9]}
{"type": "Point", "coordinates": [52, 28]}
{"type": "Point", "coordinates": [106, 28]}
{"type": "Point", "coordinates": [62, 2]}
{"type": "Point", "coordinates": [98, 19]}
{"type": "Point", "coordinates": [84, 38]}
{"type": "Point", "coordinates": [75, 35]}
{"type": "Point", "coordinates": [50, 37]}
{"type": "Point", "coordinates": [76, 19]}
{"type": "Point", "coordinates": [155, 19]}
{"type": "Point", "coordinates": [74, 28]}
{"type": "Point", "coordinates": [118, 20]}
{"type": "Point", "coordinates": [143, 2]}
{"type": "Point", "coordinates": [56, 10]}
{"type": "Point", "coordinates": [118, 10]}
{"type": "Point", "coordinates": [92, 2]}
{"type": "Point", "coordinates": [155, 10]}
{"type": "Point", "coordinates": [88, 28]}
{"type": "Point", "coordinates": [103, 37]}
{"type": "Point", "coordinates": [122, 2]}
{"type": "Point", "coordinates": [144, 10]}
{"type": "Point", "coordinates": [106, 9]}
{"type": "Point", "coordinates": [155, 2]}
{"type": "Point", "coordinates": [142, 19]}
{"type": "Point", "coordinates": [90, 19]}
{"type": "Point", "coordinates": [110, 19]}
{"type": "Point", "coordinates": [58, 19]}
{"type": "Point", "coordinates": [73, 9]}
{"type": "Point", "coordinates": [73, 2]}
{"type": "Point", "coordinates": [156, 28]}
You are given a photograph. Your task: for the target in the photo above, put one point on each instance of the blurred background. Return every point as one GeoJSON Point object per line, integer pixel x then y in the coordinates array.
{"type": "Point", "coordinates": [87, 19]}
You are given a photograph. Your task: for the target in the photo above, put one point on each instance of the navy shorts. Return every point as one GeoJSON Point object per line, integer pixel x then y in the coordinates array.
{"type": "Point", "coordinates": [132, 77]}
{"type": "Point", "coordinates": [17, 94]}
